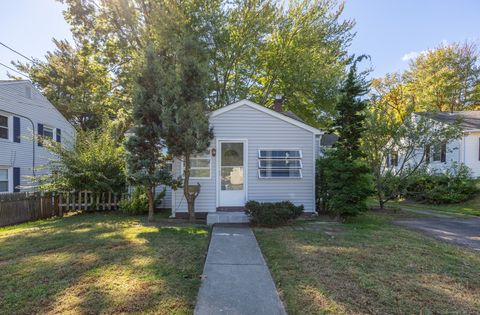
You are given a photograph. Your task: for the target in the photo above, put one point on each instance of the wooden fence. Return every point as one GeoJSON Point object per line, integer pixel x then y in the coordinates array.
{"type": "Point", "coordinates": [29, 206]}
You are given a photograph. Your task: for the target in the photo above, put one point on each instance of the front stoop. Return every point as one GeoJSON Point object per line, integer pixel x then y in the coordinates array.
{"type": "Point", "coordinates": [227, 217]}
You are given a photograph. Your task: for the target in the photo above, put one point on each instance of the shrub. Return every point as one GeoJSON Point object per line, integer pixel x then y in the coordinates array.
{"type": "Point", "coordinates": [272, 214]}
{"type": "Point", "coordinates": [342, 185]}
{"type": "Point", "coordinates": [136, 204]}
{"type": "Point", "coordinates": [456, 185]}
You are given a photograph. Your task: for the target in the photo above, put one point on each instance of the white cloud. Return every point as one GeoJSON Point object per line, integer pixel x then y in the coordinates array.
{"type": "Point", "coordinates": [410, 56]}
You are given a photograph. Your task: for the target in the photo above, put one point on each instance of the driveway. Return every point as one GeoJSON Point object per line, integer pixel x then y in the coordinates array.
{"type": "Point", "coordinates": [460, 231]}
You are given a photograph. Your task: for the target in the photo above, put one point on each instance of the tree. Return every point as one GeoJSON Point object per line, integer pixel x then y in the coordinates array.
{"type": "Point", "coordinates": [396, 148]}
{"type": "Point", "coordinates": [94, 162]}
{"type": "Point", "coordinates": [147, 164]}
{"type": "Point", "coordinates": [77, 81]}
{"type": "Point", "coordinates": [446, 78]}
{"type": "Point", "coordinates": [185, 125]}
{"type": "Point", "coordinates": [344, 181]}
{"type": "Point", "coordinates": [255, 49]}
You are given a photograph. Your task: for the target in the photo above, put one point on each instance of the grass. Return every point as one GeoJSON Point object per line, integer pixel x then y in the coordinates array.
{"type": "Point", "coordinates": [369, 266]}
{"type": "Point", "coordinates": [470, 207]}
{"type": "Point", "coordinates": [100, 263]}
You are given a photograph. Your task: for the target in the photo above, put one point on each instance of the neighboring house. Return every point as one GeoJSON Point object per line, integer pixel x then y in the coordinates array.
{"type": "Point", "coordinates": [465, 150]}
{"type": "Point", "coordinates": [256, 154]}
{"type": "Point", "coordinates": [24, 113]}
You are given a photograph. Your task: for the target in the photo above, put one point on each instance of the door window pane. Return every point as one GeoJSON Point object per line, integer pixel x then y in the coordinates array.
{"type": "Point", "coordinates": [232, 154]}
{"type": "Point", "coordinates": [232, 178]}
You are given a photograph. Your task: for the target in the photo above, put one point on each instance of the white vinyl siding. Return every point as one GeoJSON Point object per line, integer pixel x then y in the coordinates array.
{"type": "Point", "coordinates": [30, 111]}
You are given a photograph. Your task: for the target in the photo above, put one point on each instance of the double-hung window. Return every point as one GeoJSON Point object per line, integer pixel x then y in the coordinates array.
{"type": "Point", "coordinates": [200, 166]}
{"type": "Point", "coordinates": [3, 127]}
{"type": "Point", "coordinates": [280, 163]}
{"type": "Point", "coordinates": [47, 132]}
{"type": "Point", "coordinates": [3, 180]}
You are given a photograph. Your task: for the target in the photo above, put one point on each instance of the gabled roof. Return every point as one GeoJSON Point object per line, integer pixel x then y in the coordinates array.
{"type": "Point", "coordinates": [287, 116]}
{"type": "Point", "coordinates": [467, 120]}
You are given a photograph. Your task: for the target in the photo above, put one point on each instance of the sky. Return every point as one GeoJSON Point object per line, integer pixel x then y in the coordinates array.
{"type": "Point", "coordinates": [391, 32]}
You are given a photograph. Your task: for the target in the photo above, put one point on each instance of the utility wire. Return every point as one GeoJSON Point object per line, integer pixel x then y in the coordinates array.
{"type": "Point", "coordinates": [23, 74]}
{"type": "Point", "coordinates": [29, 59]}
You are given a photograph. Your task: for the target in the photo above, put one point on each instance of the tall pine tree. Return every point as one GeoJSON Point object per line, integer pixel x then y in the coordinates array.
{"type": "Point", "coordinates": [186, 129]}
{"type": "Point", "coordinates": [344, 180]}
{"type": "Point", "coordinates": [146, 162]}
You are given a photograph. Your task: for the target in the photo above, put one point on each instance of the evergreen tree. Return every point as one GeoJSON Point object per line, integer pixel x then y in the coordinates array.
{"type": "Point", "coordinates": [344, 181]}
{"type": "Point", "coordinates": [146, 161]}
{"type": "Point", "coordinates": [186, 128]}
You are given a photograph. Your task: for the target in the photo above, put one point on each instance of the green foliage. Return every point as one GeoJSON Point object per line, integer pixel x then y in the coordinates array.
{"type": "Point", "coordinates": [391, 131]}
{"type": "Point", "coordinates": [343, 186]}
{"type": "Point", "coordinates": [255, 49]}
{"type": "Point", "coordinates": [446, 78]}
{"type": "Point", "coordinates": [94, 162]}
{"type": "Point", "coordinates": [454, 186]}
{"type": "Point", "coordinates": [343, 180]}
{"type": "Point", "coordinates": [78, 82]}
{"type": "Point", "coordinates": [136, 204]}
{"type": "Point", "coordinates": [146, 161]}
{"type": "Point", "coordinates": [272, 214]}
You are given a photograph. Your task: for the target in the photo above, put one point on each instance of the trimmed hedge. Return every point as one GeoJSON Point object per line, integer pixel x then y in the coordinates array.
{"type": "Point", "coordinates": [272, 214]}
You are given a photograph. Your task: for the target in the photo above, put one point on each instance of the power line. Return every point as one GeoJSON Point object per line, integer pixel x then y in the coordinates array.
{"type": "Point", "coordinates": [29, 59]}
{"type": "Point", "coordinates": [23, 74]}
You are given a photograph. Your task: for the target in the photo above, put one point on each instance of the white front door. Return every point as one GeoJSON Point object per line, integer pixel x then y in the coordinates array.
{"type": "Point", "coordinates": [231, 173]}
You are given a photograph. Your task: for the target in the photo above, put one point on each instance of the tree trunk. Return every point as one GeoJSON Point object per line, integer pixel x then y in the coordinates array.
{"type": "Point", "coordinates": [186, 189]}
{"type": "Point", "coordinates": [151, 203]}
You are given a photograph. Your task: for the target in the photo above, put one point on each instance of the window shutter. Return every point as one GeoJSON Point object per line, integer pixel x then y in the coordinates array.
{"type": "Point", "coordinates": [16, 129]}
{"type": "Point", "coordinates": [16, 179]}
{"type": "Point", "coordinates": [40, 134]}
{"type": "Point", "coordinates": [59, 135]}
{"type": "Point", "coordinates": [427, 153]}
{"type": "Point", "coordinates": [443, 153]}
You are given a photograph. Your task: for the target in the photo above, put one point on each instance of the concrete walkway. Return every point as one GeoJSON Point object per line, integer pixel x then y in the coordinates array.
{"type": "Point", "coordinates": [236, 279]}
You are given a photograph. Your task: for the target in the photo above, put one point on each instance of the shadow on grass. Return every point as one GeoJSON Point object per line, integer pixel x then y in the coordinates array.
{"type": "Point", "coordinates": [371, 267]}
{"type": "Point", "coordinates": [96, 263]}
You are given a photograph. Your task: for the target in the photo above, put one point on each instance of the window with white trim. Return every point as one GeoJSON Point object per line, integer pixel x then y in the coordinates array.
{"type": "Point", "coordinates": [3, 180]}
{"type": "Point", "coordinates": [47, 132]}
{"type": "Point", "coordinates": [199, 166]}
{"type": "Point", "coordinates": [3, 127]}
{"type": "Point", "coordinates": [280, 164]}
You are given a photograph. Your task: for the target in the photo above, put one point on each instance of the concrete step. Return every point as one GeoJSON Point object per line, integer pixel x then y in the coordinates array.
{"type": "Point", "coordinates": [227, 217]}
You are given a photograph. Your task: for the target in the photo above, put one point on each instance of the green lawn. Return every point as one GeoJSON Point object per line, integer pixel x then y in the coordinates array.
{"type": "Point", "coordinates": [100, 263]}
{"type": "Point", "coordinates": [369, 266]}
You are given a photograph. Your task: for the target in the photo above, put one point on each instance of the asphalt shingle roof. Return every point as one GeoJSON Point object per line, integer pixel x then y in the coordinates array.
{"type": "Point", "coordinates": [468, 120]}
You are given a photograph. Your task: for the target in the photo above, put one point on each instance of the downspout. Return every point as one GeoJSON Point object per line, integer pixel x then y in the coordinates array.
{"type": "Point", "coordinates": [33, 136]}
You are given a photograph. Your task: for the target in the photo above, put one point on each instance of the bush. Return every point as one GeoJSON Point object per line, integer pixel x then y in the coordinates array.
{"type": "Point", "coordinates": [136, 204]}
{"type": "Point", "coordinates": [272, 214]}
{"type": "Point", "coordinates": [342, 185]}
{"type": "Point", "coordinates": [456, 185]}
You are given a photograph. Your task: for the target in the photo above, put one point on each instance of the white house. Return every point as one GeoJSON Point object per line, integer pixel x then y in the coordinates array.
{"type": "Point", "coordinates": [256, 154]}
{"type": "Point", "coordinates": [465, 150]}
{"type": "Point", "coordinates": [25, 112]}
